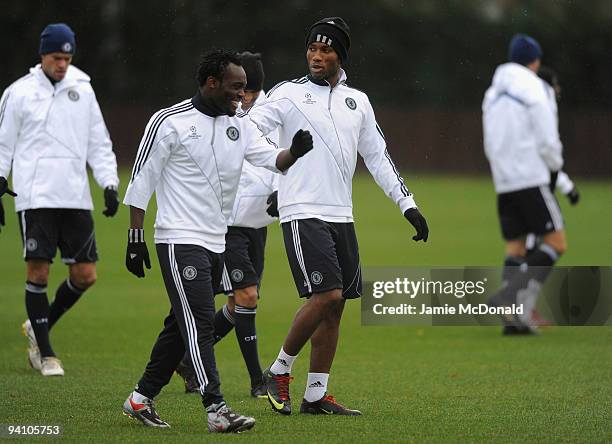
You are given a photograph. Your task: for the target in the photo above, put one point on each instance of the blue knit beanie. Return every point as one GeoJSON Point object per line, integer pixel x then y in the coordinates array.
{"type": "Point", "coordinates": [57, 37]}
{"type": "Point", "coordinates": [524, 49]}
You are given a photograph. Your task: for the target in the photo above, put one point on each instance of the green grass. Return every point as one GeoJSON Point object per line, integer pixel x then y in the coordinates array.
{"type": "Point", "coordinates": [413, 384]}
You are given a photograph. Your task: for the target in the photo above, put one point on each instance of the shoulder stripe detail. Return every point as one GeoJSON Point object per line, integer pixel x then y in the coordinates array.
{"type": "Point", "coordinates": [147, 142]}
{"type": "Point", "coordinates": [298, 81]}
{"type": "Point", "coordinates": [3, 107]}
{"type": "Point", "coordinates": [8, 94]}
{"type": "Point", "coordinates": [403, 188]}
{"type": "Point", "coordinates": [343, 83]}
{"type": "Point", "coordinates": [511, 97]}
{"type": "Point", "coordinates": [275, 87]}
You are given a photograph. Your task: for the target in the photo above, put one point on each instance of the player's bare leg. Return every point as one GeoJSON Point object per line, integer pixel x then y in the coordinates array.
{"type": "Point", "coordinates": [516, 248]}
{"type": "Point", "coordinates": [83, 275]}
{"type": "Point", "coordinates": [307, 319]}
{"type": "Point", "coordinates": [324, 340]}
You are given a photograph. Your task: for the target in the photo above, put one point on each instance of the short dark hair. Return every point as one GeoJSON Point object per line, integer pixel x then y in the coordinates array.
{"type": "Point", "coordinates": [251, 62]}
{"type": "Point", "coordinates": [214, 63]}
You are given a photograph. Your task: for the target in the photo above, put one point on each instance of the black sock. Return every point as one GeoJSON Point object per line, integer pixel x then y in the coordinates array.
{"type": "Point", "coordinates": [247, 339]}
{"type": "Point", "coordinates": [37, 306]}
{"type": "Point", "coordinates": [224, 322]}
{"type": "Point", "coordinates": [511, 266]}
{"type": "Point", "coordinates": [65, 297]}
{"type": "Point", "coordinates": [541, 261]}
{"type": "Point", "coordinates": [531, 275]}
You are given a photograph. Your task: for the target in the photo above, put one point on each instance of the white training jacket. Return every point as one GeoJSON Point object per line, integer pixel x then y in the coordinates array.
{"type": "Point", "coordinates": [342, 123]}
{"type": "Point", "coordinates": [256, 185]}
{"type": "Point", "coordinates": [50, 134]}
{"type": "Point", "coordinates": [193, 163]}
{"type": "Point", "coordinates": [520, 128]}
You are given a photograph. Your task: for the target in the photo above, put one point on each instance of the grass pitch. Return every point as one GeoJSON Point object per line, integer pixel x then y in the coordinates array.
{"type": "Point", "coordinates": [459, 384]}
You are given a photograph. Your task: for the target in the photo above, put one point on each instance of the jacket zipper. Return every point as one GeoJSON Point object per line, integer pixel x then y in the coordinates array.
{"type": "Point", "coordinates": [212, 147]}
{"type": "Point", "coordinates": [331, 90]}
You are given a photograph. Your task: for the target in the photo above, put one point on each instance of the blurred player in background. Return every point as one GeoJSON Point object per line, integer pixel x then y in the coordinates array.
{"type": "Point", "coordinates": [522, 144]}
{"type": "Point", "coordinates": [244, 250]}
{"type": "Point", "coordinates": [315, 206]}
{"type": "Point", "coordinates": [191, 156]}
{"type": "Point", "coordinates": [563, 183]}
{"type": "Point", "coordinates": [51, 128]}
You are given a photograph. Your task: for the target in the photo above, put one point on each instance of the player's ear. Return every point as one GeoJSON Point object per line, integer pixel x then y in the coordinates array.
{"type": "Point", "coordinates": [212, 82]}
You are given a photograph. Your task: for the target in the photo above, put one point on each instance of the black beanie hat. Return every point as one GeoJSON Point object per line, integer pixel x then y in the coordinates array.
{"type": "Point", "coordinates": [333, 31]}
{"type": "Point", "coordinates": [251, 62]}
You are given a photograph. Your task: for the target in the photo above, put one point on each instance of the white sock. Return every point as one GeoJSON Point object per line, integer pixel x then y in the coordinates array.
{"type": "Point", "coordinates": [283, 363]}
{"type": "Point", "coordinates": [137, 397]}
{"type": "Point", "coordinates": [316, 386]}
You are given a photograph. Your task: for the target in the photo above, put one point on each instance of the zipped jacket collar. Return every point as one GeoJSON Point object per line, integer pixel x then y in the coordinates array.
{"type": "Point", "coordinates": [323, 82]}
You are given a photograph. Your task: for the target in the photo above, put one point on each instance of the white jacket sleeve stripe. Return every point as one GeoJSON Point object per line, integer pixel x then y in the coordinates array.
{"type": "Point", "coordinates": [147, 141]}
{"type": "Point", "coordinates": [403, 188]}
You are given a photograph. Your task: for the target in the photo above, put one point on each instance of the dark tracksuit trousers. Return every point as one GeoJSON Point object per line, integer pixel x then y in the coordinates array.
{"type": "Point", "coordinates": [191, 274]}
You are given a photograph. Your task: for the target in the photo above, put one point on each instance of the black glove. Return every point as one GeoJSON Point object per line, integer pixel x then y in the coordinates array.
{"type": "Point", "coordinates": [553, 180]}
{"type": "Point", "coordinates": [301, 143]}
{"type": "Point", "coordinates": [137, 252]}
{"type": "Point", "coordinates": [573, 196]}
{"type": "Point", "coordinates": [111, 201]}
{"type": "Point", "coordinates": [4, 188]}
{"type": "Point", "coordinates": [272, 204]}
{"type": "Point", "coordinates": [419, 223]}
{"type": "Point", "coordinates": [1, 214]}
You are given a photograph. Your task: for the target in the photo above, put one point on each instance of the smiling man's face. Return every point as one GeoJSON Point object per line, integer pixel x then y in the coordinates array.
{"type": "Point", "coordinates": [229, 91]}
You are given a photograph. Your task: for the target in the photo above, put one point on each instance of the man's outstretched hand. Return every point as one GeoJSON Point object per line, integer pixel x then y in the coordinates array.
{"type": "Point", "coordinates": [419, 223]}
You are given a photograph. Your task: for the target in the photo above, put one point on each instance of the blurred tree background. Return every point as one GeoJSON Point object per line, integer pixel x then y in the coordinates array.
{"type": "Point", "coordinates": [424, 63]}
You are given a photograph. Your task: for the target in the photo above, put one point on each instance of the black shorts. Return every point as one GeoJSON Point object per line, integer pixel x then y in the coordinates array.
{"type": "Point", "coordinates": [323, 256]}
{"type": "Point", "coordinates": [532, 210]}
{"type": "Point", "coordinates": [45, 229]}
{"type": "Point", "coordinates": [244, 258]}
